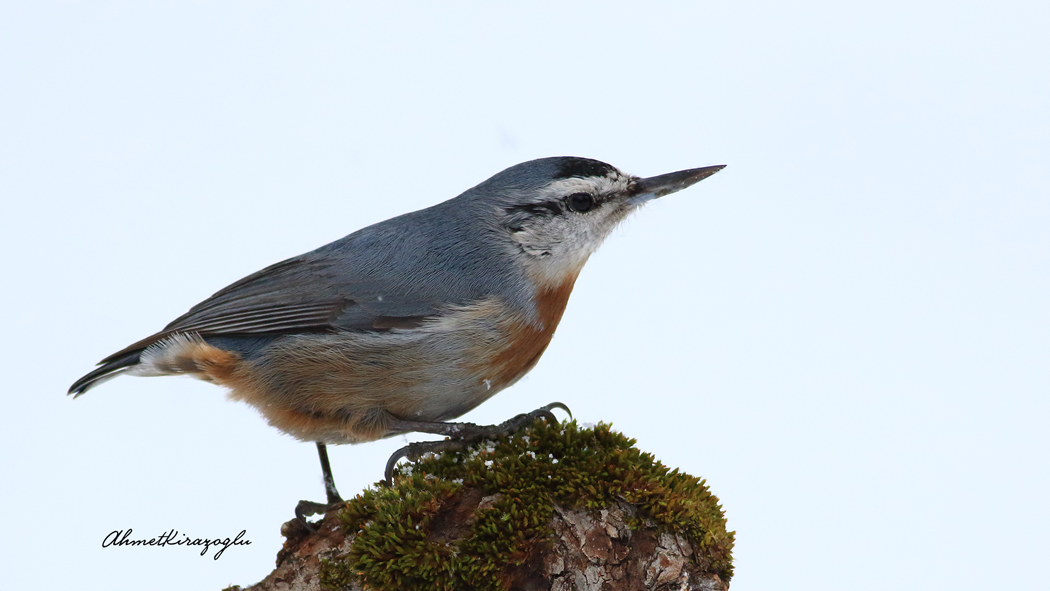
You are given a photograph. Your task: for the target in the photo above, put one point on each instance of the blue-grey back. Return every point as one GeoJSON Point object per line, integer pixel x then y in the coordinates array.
{"type": "Point", "coordinates": [392, 274]}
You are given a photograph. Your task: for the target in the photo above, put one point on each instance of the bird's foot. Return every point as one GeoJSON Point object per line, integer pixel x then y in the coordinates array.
{"type": "Point", "coordinates": [306, 509]}
{"type": "Point", "coordinates": [462, 435]}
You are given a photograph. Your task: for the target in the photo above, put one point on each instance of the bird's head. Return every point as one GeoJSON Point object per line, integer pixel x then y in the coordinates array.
{"type": "Point", "coordinates": [553, 213]}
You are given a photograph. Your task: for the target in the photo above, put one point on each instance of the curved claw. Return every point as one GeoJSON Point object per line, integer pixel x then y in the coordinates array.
{"type": "Point", "coordinates": [307, 508]}
{"type": "Point", "coordinates": [555, 405]}
{"type": "Point", "coordinates": [466, 433]}
{"type": "Point", "coordinates": [388, 473]}
{"type": "Point", "coordinates": [413, 451]}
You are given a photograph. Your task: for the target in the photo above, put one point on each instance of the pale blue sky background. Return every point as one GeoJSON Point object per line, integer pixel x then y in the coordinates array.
{"type": "Point", "coordinates": [847, 331]}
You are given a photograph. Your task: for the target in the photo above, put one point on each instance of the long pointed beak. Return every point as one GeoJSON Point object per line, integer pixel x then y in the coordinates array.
{"type": "Point", "coordinates": [657, 186]}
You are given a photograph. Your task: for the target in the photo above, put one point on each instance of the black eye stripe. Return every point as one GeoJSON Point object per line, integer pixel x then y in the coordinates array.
{"type": "Point", "coordinates": [577, 202]}
{"type": "Point", "coordinates": [545, 208]}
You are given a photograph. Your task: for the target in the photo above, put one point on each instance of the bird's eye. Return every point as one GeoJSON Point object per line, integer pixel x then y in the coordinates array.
{"type": "Point", "coordinates": [580, 202]}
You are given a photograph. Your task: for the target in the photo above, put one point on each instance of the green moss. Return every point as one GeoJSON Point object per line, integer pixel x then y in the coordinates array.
{"type": "Point", "coordinates": [397, 545]}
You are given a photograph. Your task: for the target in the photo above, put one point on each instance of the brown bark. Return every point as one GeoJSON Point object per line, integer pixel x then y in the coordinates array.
{"type": "Point", "coordinates": [588, 552]}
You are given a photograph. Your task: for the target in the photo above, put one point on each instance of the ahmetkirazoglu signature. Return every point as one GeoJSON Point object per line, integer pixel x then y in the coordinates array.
{"type": "Point", "coordinates": [122, 537]}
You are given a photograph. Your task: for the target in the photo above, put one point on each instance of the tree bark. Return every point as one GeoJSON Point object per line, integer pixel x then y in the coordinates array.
{"type": "Point", "coordinates": [552, 508]}
{"type": "Point", "coordinates": [588, 553]}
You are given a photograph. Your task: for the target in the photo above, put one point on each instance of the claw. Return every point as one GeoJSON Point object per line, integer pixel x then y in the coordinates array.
{"type": "Point", "coordinates": [555, 405]}
{"type": "Point", "coordinates": [388, 474]}
{"type": "Point", "coordinates": [464, 434]}
{"type": "Point", "coordinates": [413, 451]}
{"type": "Point", "coordinates": [307, 508]}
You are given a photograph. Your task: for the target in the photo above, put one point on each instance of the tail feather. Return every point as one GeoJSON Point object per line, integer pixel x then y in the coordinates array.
{"type": "Point", "coordinates": [109, 369]}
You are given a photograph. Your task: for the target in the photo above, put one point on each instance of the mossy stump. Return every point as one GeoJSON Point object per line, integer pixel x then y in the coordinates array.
{"type": "Point", "coordinates": [552, 507]}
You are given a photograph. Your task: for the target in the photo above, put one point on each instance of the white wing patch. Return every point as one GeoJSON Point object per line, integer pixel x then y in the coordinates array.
{"type": "Point", "coordinates": [171, 355]}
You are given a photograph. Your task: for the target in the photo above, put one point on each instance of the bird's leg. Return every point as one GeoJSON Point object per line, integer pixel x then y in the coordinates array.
{"type": "Point", "coordinates": [326, 471]}
{"type": "Point", "coordinates": [307, 508]}
{"type": "Point", "coordinates": [461, 435]}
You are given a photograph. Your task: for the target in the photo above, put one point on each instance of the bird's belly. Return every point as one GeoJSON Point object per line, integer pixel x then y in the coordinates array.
{"type": "Point", "coordinates": [347, 387]}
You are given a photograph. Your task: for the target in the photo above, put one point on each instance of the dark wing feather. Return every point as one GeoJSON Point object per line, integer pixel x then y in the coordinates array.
{"type": "Point", "coordinates": [301, 294]}
{"type": "Point", "coordinates": [384, 277]}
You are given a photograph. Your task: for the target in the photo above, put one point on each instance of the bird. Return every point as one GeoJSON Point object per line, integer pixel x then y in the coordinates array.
{"type": "Point", "coordinates": [409, 323]}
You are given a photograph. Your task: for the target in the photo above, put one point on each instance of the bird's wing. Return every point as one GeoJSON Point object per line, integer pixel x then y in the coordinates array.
{"type": "Point", "coordinates": [302, 294]}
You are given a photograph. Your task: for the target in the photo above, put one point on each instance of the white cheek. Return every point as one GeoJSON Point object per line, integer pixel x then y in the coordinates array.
{"type": "Point", "coordinates": [552, 262]}
{"type": "Point", "coordinates": [555, 248]}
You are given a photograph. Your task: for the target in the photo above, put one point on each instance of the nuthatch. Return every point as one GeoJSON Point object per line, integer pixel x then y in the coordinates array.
{"type": "Point", "coordinates": [407, 323]}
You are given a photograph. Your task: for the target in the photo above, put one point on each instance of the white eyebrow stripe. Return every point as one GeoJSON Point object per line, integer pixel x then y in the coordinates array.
{"type": "Point", "coordinates": [594, 185]}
